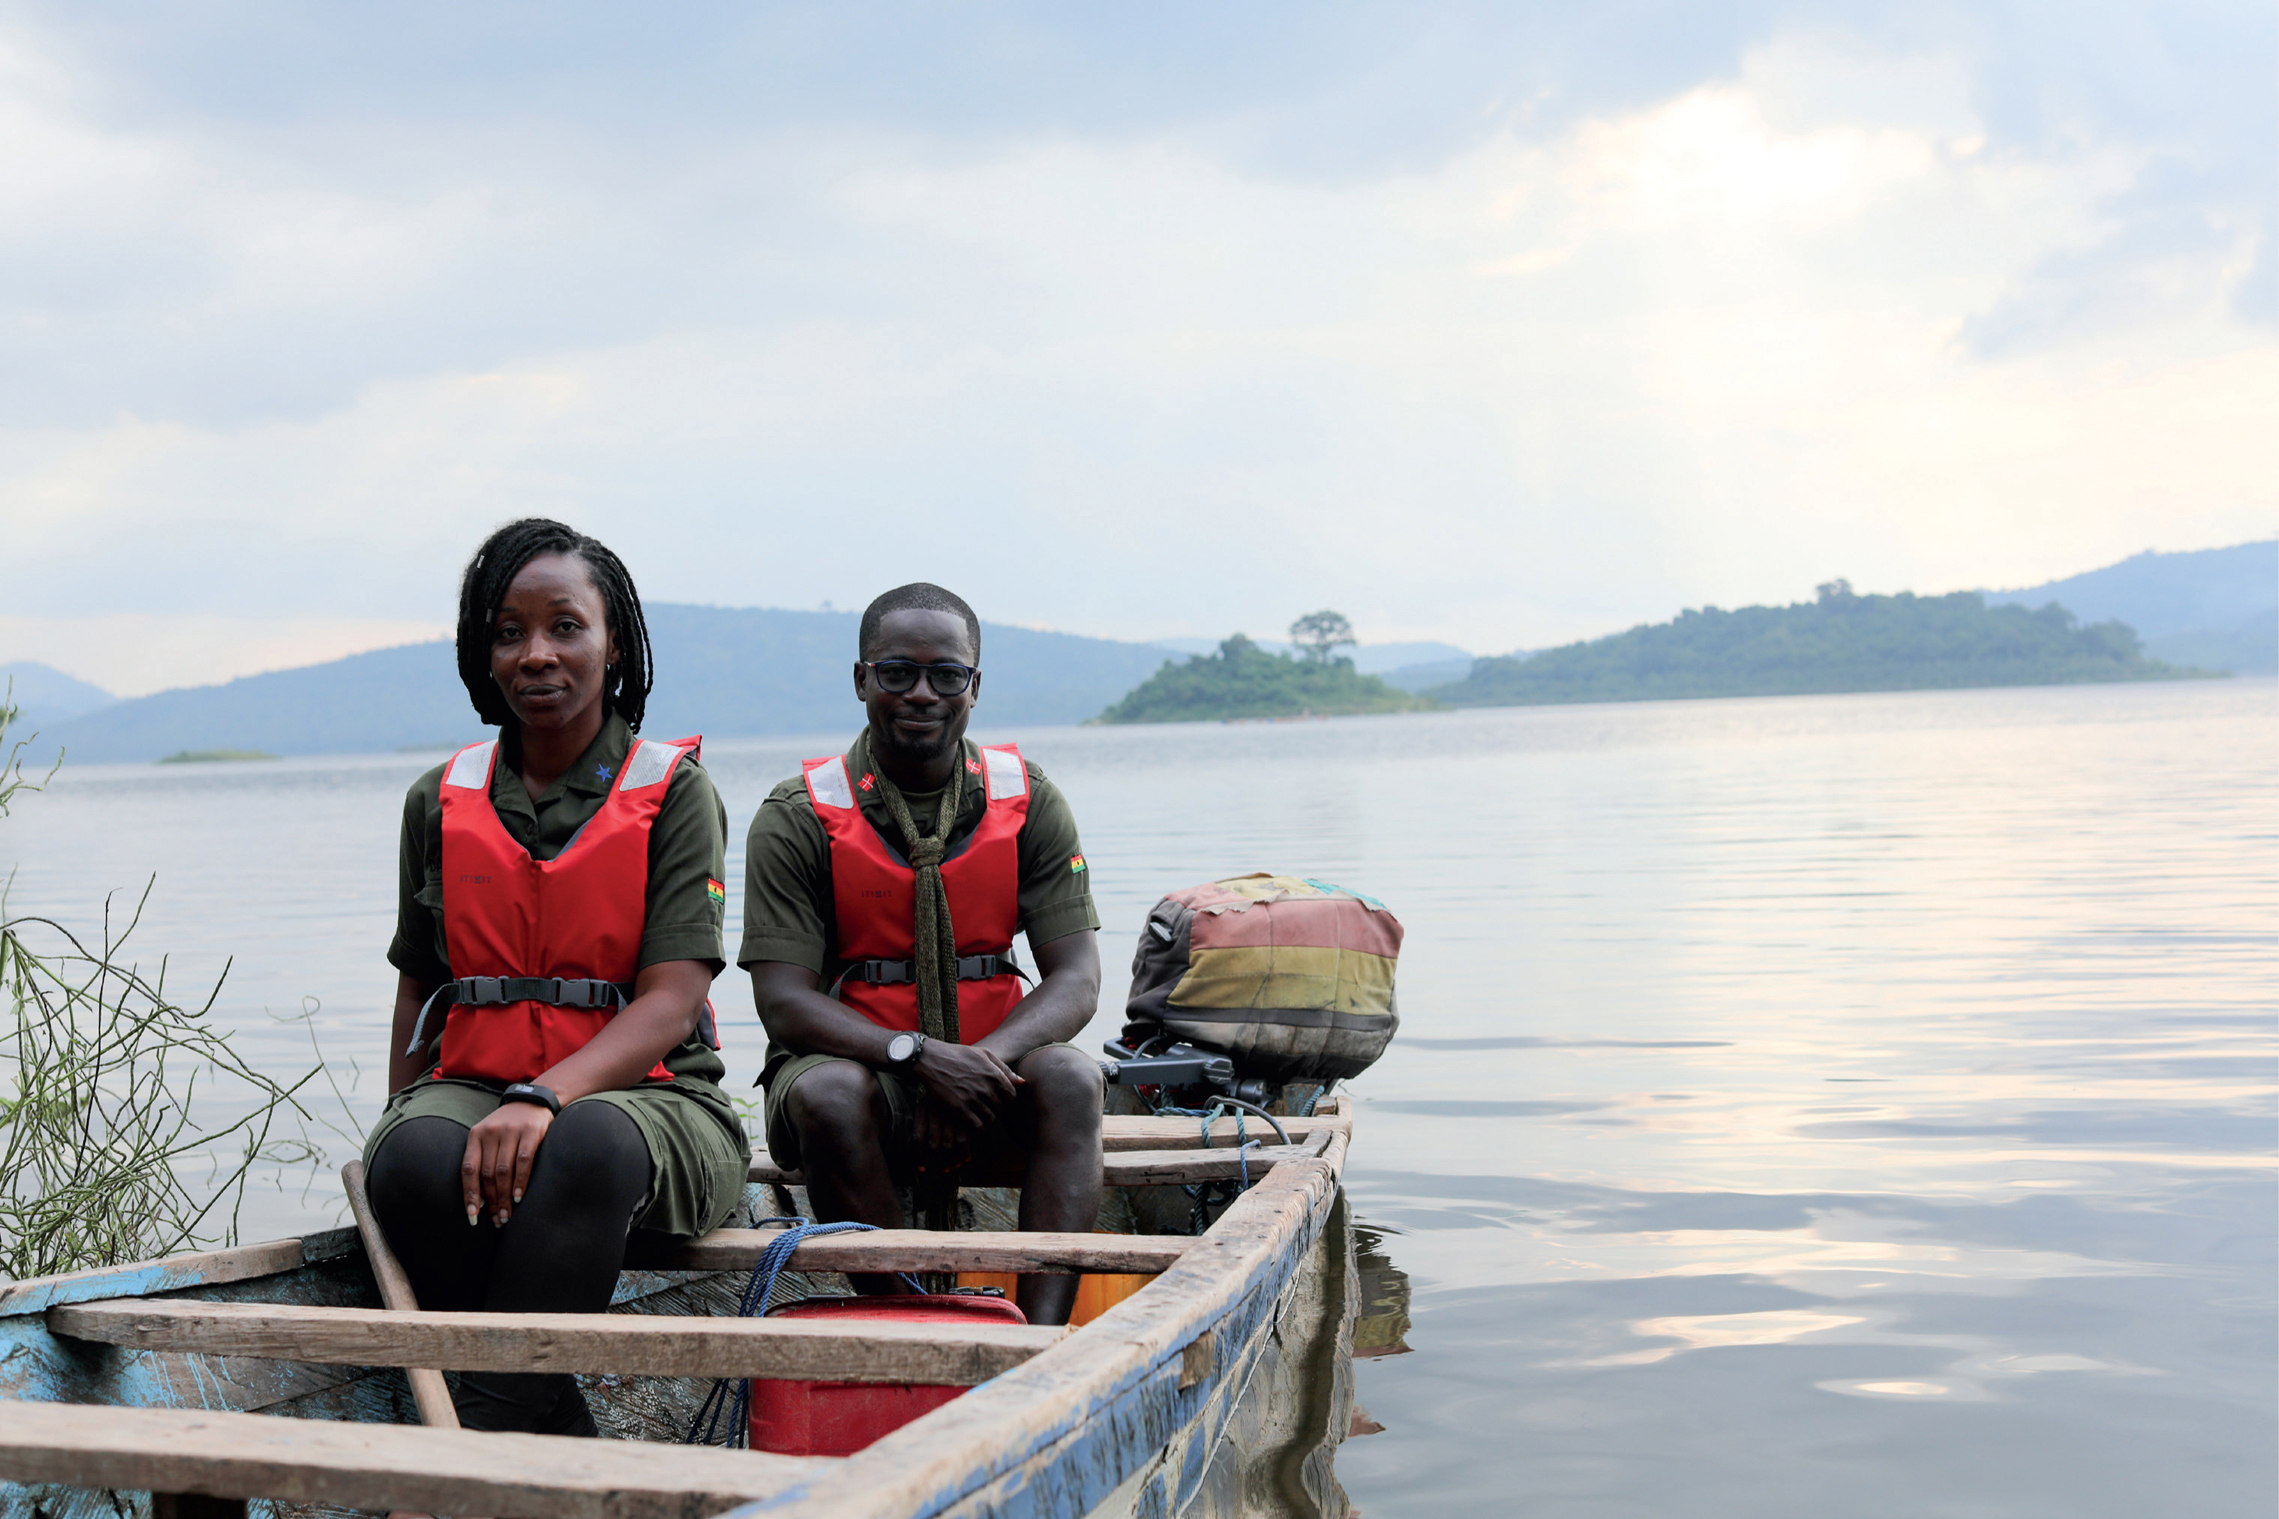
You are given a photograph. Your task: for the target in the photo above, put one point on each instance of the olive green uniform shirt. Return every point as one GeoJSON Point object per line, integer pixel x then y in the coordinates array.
{"type": "Point", "coordinates": [790, 914]}
{"type": "Point", "coordinates": [687, 861]}
{"type": "Point", "coordinates": [698, 1153]}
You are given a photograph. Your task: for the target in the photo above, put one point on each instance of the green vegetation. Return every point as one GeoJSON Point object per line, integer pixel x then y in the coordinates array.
{"type": "Point", "coordinates": [1839, 642]}
{"type": "Point", "coordinates": [213, 756]}
{"type": "Point", "coordinates": [101, 1161]}
{"type": "Point", "coordinates": [1244, 681]}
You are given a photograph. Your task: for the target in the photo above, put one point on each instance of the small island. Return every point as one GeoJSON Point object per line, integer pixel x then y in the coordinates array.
{"type": "Point", "coordinates": [1243, 682]}
{"type": "Point", "coordinates": [1840, 641]}
{"type": "Point", "coordinates": [214, 756]}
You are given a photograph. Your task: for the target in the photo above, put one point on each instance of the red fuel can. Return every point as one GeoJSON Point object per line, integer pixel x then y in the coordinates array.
{"type": "Point", "coordinates": [839, 1418]}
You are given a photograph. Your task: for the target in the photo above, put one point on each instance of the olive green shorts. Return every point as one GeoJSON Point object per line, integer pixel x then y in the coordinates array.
{"type": "Point", "coordinates": [698, 1155]}
{"type": "Point", "coordinates": [902, 1095]}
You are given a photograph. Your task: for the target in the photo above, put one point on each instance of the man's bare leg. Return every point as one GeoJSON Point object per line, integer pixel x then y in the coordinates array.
{"type": "Point", "coordinates": [1061, 1089]}
{"type": "Point", "coordinates": [843, 1123]}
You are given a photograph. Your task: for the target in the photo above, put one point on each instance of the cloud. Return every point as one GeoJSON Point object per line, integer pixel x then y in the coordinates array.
{"type": "Point", "coordinates": [1500, 332]}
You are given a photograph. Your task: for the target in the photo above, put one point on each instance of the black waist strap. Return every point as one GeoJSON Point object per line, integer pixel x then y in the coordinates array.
{"type": "Point", "coordinates": [488, 991]}
{"type": "Point", "coordinates": [902, 972]}
{"type": "Point", "coordinates": [496, 991]}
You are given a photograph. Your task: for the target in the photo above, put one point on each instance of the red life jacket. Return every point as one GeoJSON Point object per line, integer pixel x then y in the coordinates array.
{"type": "Point", "coordinates": [577, 917]}
{"type": "Point", "coordinates": [873, 891]}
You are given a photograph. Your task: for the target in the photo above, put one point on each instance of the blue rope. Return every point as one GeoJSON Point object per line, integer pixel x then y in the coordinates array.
{"type": "Point", "coordinates": [1200, 1193]}
{"type": "Point", "coordinates": [731, 1397]}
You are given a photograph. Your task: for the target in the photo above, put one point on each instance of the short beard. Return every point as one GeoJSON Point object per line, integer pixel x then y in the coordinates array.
{"type": "Point", "coordinates": [916, 752]}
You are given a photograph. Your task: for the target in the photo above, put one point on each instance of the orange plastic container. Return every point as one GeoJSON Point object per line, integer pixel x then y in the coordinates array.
{"type": "Point", "coordinates": [794, 1418]}
{"type": "Point", "coordinates": [1096, 1291]}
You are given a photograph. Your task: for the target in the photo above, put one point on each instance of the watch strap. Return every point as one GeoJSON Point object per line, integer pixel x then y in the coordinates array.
{"type": "Point", "coordinates": [531, 1091]}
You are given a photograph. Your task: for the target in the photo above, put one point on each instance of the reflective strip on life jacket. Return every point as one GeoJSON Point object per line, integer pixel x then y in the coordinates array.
{"type": "Point", "coordinates": [576, 918]}
{"type": "Point", "coordinates": [874, 900]}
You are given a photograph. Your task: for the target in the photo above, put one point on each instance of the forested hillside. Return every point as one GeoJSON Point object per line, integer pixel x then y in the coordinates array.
{"type": "Point", "coordinates": [2213, 607]}
{"type": "Point", "coordinates": [1839, 642]}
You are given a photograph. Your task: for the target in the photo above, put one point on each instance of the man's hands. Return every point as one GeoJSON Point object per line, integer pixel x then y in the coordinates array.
{"type": "Point", "coordinates": [496, 1167]}
{"type": "Point", "coordinates": [967, 1086]}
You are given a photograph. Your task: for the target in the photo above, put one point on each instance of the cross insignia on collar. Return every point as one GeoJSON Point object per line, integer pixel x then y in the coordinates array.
{"type": "Point", "coordinates": [867, 781]}
{"type": "Point", "coordinates": [973, 767]}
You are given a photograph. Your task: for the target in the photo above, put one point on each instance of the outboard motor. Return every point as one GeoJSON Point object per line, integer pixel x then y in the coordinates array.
{"type": "Point", "coordinates": [1284, 979]}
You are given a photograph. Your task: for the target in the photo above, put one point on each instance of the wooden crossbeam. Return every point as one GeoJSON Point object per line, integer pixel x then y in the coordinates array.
{"type": "Point", "coordinates": [1184, 1168]}
{"type": "Point", "coordinates": [624, 1343]}
{"type": "Point", "coordinates": [1126, 1131]}
{"type": "Point", "coordinates": [381, 1466]}
{"type": "Point", "coordinates": [1139, 1168]}
{"type": "Point", "coordinates": [923, 1250]}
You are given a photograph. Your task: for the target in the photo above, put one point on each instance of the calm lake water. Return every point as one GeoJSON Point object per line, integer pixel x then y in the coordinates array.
{"type": "Point", "coordinates": [1854, 1105]}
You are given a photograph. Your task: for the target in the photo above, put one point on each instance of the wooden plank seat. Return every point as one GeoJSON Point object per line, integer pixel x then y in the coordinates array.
{"type": "Point", "coordinates": [1148, 1168]}
{"type": "Point", "coordinates": [628, 1344]}
{"type": "Point", "coordinates": [925, 1250]}
{"type": "Point", "coordinates": [381, 1466]}
{"type": "Point", "coordinates": [1130, 1131]}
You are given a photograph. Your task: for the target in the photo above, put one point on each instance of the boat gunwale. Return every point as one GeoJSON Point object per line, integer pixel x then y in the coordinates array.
{"type": "Point", "coordinates": [1020, 1427]}
{"type": "Point", "coordinates": [937, 1463]}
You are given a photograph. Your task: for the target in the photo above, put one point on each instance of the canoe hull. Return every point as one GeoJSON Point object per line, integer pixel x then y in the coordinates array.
{"type": "Point", "coordinates": [1222, 1390]}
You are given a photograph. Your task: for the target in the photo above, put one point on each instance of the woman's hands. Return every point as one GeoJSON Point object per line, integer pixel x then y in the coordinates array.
{"type": "Point", "coordinates": [496, 1168]}
{"type": "Point", "coordinates": [667, 997]}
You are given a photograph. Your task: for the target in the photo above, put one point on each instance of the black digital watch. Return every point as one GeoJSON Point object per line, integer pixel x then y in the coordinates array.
{"type": "Point", "coordinates": [531, 1091]}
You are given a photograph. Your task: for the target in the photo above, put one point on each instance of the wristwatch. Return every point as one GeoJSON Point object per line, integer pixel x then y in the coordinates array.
{"type": "Point", "coordinates": [531, 1091]}
{"type": "Point", "coordinates": [903, 1050]}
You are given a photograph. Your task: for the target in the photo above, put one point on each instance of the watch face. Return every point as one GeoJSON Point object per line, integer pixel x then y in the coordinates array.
{"type": "Point", "coordinates": [901, 1047]}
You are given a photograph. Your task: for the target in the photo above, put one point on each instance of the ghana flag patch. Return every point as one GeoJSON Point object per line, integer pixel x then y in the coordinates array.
{"type": "Point", "coordinates": [714, 891]}
{"type": "Point", "coordinates": [1075, 863]}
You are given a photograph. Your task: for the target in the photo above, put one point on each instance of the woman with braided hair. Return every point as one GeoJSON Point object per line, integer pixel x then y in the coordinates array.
{"type": "Point", "coordinates": [555, 1078]}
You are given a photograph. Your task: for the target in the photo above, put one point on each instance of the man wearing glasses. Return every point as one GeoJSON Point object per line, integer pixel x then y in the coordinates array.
{"type": "Point", "coordinates": [883, 889]}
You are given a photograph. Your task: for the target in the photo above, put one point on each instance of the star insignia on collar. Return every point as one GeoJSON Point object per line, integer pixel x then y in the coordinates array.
{"type": "Point", "coordinates": [602, 771]}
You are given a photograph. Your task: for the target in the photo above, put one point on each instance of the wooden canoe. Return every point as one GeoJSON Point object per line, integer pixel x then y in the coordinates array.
{"type": "Point", "coordinates": [268, 1377]}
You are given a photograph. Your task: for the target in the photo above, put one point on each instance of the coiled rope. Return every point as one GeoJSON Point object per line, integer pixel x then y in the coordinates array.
{"type": "Point", "coordinates": [1200, 1194]}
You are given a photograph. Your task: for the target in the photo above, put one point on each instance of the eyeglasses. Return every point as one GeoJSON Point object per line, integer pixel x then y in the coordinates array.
{"type": "Point", "coordinates": [899, 675]}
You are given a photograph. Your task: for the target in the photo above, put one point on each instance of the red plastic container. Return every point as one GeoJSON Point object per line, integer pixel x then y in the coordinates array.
{"type": "Point", "coordinates": [840, 1418]}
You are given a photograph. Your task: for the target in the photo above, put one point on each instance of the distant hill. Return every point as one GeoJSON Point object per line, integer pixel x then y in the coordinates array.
{"type": "Point", "coordinates": [723, 672]}
{"type": "Point", "coordinates": [2216, 608]}
{"type": "Point", "coordinates": [1839, 642]}
{"type": "Point", "coordinates": [1423, 677]}
{"type": "Point", "coordinates": [1242, 680]}
{"type": "Point", "coordinates": [44, 696]}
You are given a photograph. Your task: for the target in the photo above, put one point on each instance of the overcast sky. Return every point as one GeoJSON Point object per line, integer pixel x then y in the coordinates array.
{"type": "Point", "coordinates": [1500, 324]}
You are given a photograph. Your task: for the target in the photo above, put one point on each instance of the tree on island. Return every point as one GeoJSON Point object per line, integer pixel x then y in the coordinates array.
{"type": "Point", "coordinates": [1243, 681]}
{"type": "Point", "coordinates": [1317, 634]}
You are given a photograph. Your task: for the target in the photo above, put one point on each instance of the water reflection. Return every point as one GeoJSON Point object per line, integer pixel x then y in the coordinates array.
{"type": "Point", "coordinates": [1381, 1321]}
{"type": "Point", "coordinates": [1849, 1105]}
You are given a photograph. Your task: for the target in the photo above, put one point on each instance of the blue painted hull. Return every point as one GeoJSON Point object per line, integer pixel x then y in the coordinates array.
{"type": "Point", "coordinates": [1220, 1391]}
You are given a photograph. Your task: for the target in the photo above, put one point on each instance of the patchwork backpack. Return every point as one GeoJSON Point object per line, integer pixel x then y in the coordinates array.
{"type": "Point", "coordinates": [1292, 978]}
